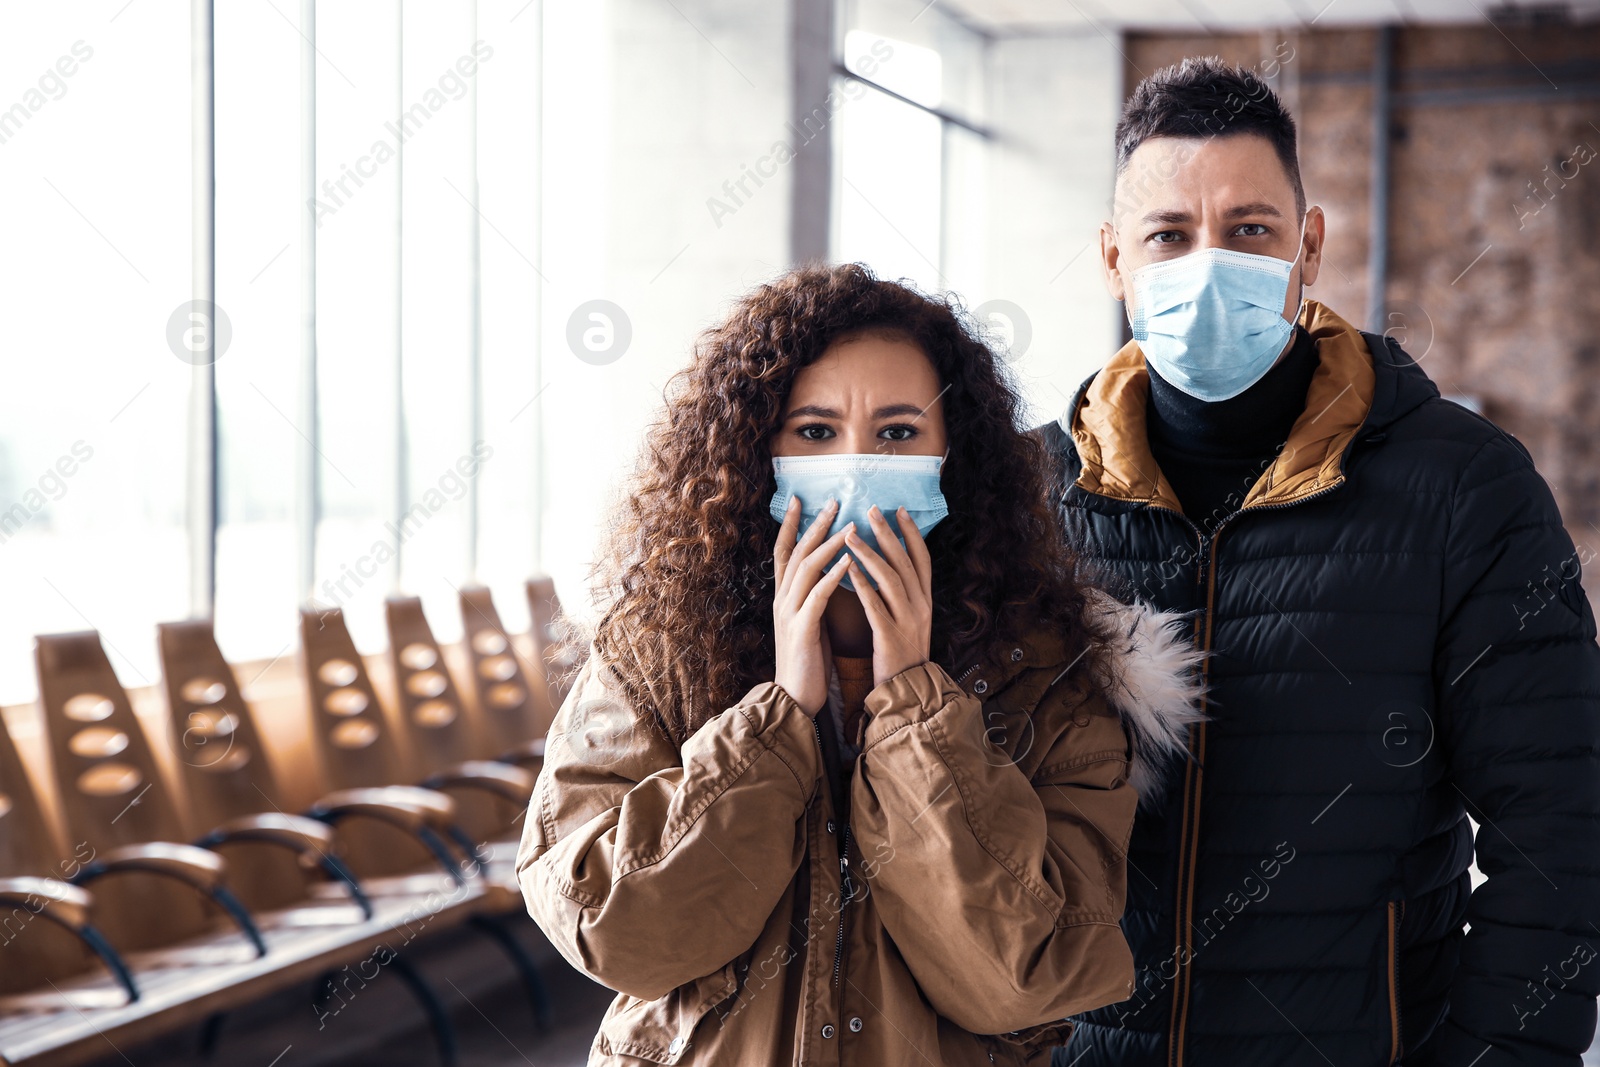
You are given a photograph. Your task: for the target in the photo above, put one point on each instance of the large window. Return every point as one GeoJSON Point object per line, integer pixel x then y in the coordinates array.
{"type": "Point", "coordinates": [96, 177]}
{"type": "Point", "coordinates": [911, 143]}
{"type": "Point", "coordinates": [489, 176]}
{"type": "Point", "coordinates": [424, 424]}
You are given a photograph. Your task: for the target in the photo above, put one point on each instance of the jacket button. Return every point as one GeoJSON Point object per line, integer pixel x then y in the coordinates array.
{"type": "Point", "coordinates": [675, 1046]}
{"type": "Point", "coordinates": [830, 826]}
{"type": "Point", "coordinates": [855, 1025]}
{"type": "Point", "coordinates": [1016, 654]}
{"type": "Point", "coordinates": [827, 1029]}
{"type": "Point", "coordinates": [980, 686]}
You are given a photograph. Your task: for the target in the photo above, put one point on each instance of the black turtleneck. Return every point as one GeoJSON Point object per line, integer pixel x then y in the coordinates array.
{"type": "Point", "coordinates": [1213, 451]}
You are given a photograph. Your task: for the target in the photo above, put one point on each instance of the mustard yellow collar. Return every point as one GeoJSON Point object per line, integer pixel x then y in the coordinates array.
{"type": "Point", "coordinates": [1108, 426]}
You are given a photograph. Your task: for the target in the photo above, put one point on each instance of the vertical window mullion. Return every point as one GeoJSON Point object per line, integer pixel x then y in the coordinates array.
{"type": "Point", "coordinates": [309, 500]}
{"type": "Point", "coordinates": [202, 429]}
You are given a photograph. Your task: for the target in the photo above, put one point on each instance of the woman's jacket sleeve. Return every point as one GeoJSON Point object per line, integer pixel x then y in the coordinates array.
{"type": "Point", "coordinates": [1004, 894]}
{"type": "Point", "coordinates": [648, 866]}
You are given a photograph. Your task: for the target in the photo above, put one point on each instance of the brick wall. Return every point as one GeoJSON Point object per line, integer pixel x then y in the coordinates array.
{"type": "Point", "coordinates": [1494, 213]}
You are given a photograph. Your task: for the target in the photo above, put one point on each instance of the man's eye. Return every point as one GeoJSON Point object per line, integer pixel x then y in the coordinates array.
{"type": "Point", "coordinates": [1166, 237]}
{"type": "Point", "coordinates": [815, 431]}
{"type": "Point", "coordinates": [1251, 229]}
{"type": "Point", "coordinates": [899, 432]}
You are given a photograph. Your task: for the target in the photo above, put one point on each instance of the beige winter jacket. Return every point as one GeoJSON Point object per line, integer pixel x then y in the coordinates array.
{"type": "Point", "coordinates": [987, 822]}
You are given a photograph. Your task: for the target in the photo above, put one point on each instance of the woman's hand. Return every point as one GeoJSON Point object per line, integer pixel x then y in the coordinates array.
{"type": "Point", "coordinates": [802, 592]}
{"type": "Point", "coordinates": [901, 608]}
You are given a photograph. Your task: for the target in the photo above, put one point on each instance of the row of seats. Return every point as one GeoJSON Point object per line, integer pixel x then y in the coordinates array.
{"type": "Point", "coordinates": [155, 918]}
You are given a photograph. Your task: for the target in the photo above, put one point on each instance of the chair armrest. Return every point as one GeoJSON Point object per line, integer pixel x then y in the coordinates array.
{"type": "Point", "coordinates": [502, 779]}
{"type": "Point", "coordinates": [529, 756]}
{"type": "Point", "coordinates": [423, 813]}
{"type": "Point", "coordinates": [310, 840]}
{"type": "Point", "coordinates": [405, 806]}
{"type": "Point", "coordinates": [67, 906]}
{"type": "Point", "coordinates": [299, 833]}
{"type": "Point", "coordinates": [195, 867]}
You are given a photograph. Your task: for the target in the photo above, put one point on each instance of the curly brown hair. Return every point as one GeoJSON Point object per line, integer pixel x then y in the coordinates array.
{"type": "Point", "coordinates": [685, 576]}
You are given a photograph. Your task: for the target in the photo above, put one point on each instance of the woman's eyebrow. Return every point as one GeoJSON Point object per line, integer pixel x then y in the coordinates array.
{"type": "Point", "coordinates": [812, 410]}
{"type": "Point", "coordinates": [819, 412]}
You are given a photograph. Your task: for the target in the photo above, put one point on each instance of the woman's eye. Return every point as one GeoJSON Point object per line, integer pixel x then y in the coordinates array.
{"type": "Point", "coordinates": [815, 431]}
{"type": "Point", "coordinates": [900, 432]}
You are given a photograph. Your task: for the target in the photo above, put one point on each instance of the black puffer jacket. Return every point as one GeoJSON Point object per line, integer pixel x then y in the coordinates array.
{"type": "Point", "coordinates": [1398, 640]}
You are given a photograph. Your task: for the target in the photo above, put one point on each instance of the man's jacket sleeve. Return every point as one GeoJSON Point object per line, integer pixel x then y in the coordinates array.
{"type": "Point", "coordinates": [648, 866]}
{"type": "Point", "coordinates": [1517, 673]}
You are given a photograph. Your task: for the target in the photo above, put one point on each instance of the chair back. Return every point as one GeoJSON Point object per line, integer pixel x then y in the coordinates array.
{"type": "Point", "coordinates": [33, 951]}
{"type": "Point", "coordinates": [111, 788]}
{"type": "Point", "coordinates": [501, 686]}
{"type": "Point", "coordinates": [351, 736]}
{"type": "Point", "coordinates": [554, 646]}
{"type": "Point", "coordinates": [27, 848]}
{"type": "Point", "coordinates": [112, 792]}
{"type": "Point", "coordinates": [431, 710]}
{"type": "Point", "coordinates": [219, 752]}
{"type": "Point", "coordinates": [349, 731]}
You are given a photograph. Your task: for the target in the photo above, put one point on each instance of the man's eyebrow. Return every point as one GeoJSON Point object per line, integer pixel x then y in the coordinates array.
{"type": "Point", "coordinates": [1168, 216]}
{"type": "Point", "coordinates": [1174, 217]}
{"type": "Point", "coordinates": [817, 411]}
{"type": "Point", "coordinates": [1260, 207]}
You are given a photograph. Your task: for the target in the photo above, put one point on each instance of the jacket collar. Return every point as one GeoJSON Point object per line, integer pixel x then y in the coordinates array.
{"type": "Point", "coordinates": [1106, 422]}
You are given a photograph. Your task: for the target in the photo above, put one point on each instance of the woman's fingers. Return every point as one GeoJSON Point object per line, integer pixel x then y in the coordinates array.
{"type": "Point", "coordinates": [812, 607]}
{"type": "Point", "coordinates": [806, 566]}
{"type": "Point", "coordinates": [784, 548]}
{"type": "Point", "coordinates": [806, 542]}
{"type": "Point", "coordinates": [890, 585]}
{"type": "Point", "coordinates": [877, 611]}
{"type": "Point", "coordinates": [918, 549]}
{"type": "Point", "coordinates": [893, 552]}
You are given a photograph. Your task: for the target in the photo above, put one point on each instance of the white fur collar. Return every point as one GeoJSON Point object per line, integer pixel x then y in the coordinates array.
{"type": "Point", "coordinates": [1155, 685]}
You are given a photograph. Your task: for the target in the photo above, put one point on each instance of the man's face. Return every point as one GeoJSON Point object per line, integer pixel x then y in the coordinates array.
{"type": "Point", "coordinates": [1180, 194]}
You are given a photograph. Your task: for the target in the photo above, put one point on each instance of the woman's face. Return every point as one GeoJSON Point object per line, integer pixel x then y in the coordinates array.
{"type": "Point", "coordinates": [864, 394]}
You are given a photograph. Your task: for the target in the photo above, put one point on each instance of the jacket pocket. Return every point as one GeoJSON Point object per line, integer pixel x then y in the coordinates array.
{"type": "Point", "coordinates": [1396, 909]}
{"type": "Point", "coordinates": [1005, 1051]}
{"type": "Point", "coordinates": [662, 1030]}
{"type": "Point", "coordinates": [1032, 1045]}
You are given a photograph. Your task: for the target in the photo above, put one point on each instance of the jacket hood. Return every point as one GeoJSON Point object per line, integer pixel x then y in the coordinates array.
{"type": "Point", "coordinates": [1154, 684]}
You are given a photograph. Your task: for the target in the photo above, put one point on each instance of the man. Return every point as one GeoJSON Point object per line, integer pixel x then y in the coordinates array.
{"type": "Point", "coordinates": [1397, 640]}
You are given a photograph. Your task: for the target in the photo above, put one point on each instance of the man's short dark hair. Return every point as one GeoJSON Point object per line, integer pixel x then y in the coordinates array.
{"type": "Point", "coordinates": [1204, 97]}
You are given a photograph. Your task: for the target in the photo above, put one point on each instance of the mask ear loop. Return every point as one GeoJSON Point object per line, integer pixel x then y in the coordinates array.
{"type": "Point", "coordinates": [1305, 218]}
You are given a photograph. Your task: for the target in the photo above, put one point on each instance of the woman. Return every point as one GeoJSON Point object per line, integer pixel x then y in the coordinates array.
{"type": "Point", "coordinates": [795, 819]}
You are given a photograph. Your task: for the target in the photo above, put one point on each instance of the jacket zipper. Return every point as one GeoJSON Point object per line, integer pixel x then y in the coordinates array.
{"type": "Point", "coordinates": [1397, 910]}
{"type": "Point", "coordinates": [846, 887]}
{"type": "Point", "coordinates": [846, 894]}
{"type": "Point", "coordinates": [1189, 843]}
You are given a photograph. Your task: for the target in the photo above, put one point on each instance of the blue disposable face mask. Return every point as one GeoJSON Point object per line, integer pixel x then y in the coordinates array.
{"type": "Point", "coordinates": [1211, 322]}
{"type": "Point", "coordinates": [858, 481]}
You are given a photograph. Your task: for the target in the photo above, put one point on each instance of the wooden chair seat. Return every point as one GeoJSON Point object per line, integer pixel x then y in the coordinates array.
{"type": "Point", "coordinates": [182, 984]}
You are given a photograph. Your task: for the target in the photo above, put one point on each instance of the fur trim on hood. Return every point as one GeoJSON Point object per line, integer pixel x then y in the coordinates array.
{"type": "Point", "coordinates": [1154, 684]}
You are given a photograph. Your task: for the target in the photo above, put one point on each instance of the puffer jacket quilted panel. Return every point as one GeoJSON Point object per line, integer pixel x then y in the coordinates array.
{"type": "Point", "coordinates": [1398, 638]}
